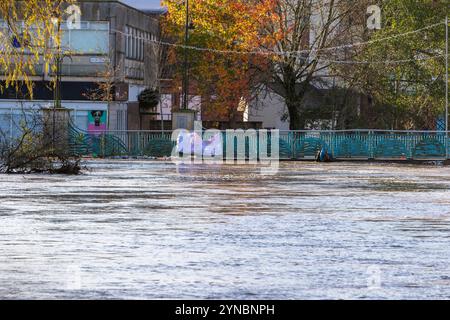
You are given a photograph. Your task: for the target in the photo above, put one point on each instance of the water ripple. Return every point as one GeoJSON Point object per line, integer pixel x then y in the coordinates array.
{"type": "Point", "coordinates": [133, 230]}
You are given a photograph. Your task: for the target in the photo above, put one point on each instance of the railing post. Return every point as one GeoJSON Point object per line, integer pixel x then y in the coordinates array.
{"type": "Point", "coordinates": [447, 139]}
{"type": "Point", "coordinates": [135, 143]}
{"type": "Point", "coordinates": [293, 141]}
{"type": "Point", "coordinates": [410, 146]}
{"type": "Point", "coordinates": [371, 137]}
{"type": "Point", "coordinates": [447, 145]}
{"type": "Point", "coordinates": [139, 143]}
{"type": "Point", "coordinates": [102, 145]}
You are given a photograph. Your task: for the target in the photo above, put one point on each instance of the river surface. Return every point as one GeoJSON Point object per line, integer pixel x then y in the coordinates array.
{"type": "Point", "coordinates": [145, 230]}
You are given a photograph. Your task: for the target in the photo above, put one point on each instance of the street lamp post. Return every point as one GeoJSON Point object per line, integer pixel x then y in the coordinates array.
{"type": "Point", "coordinates": [57, 86]}
{"type": "Point", "coordinates": [185, 118]}
{"type": "Point", "coordinates": [186, 62]}
{"type": "Point", "coordinates": [446, 89]}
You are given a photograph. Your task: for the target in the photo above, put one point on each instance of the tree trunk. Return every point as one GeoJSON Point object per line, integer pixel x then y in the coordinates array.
{"type": "Point", "coordinates": [296, 120]}
{"type": "Point", "coordinates": [294, 94]}
{"type": "Point", "coordinates": [294, 99]}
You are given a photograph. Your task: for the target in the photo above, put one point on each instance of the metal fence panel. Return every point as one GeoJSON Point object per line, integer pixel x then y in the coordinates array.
{"type": "Point", "coordinates": [294, 145]}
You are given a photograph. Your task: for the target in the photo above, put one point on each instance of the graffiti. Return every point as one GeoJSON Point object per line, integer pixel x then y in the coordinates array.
{"type": "Point", "coordinates": [97, 121]}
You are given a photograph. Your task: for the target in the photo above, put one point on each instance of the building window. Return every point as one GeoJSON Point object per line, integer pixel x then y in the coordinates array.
{"type": "Point", "coordinates": [142, 44]}
{"type": "Point", "coordinates": [127, 42]}
{"type": "Point", "coordinates": [136, 43]}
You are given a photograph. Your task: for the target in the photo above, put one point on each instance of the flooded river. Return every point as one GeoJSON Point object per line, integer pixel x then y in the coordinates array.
{"type": "Point", "coordinates": [143, 230]}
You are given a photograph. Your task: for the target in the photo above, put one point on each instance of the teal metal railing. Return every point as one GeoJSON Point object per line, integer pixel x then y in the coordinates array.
{"type": "Point", "coordinates": [294, 145]}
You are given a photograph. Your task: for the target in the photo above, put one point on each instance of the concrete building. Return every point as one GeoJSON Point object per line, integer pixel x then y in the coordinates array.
{"type": "Point", "coordinates": [114, 46]}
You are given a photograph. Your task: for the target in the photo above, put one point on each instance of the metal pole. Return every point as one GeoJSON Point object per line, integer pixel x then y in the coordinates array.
{"type": "Point", "coordinates": [446, 87]}
{"type": "Point", "coordinates": [57, 89]}
{"type": "Point", "coordinates": [161, 108]}
{"type": "Point", "coordinates": [186, 61]}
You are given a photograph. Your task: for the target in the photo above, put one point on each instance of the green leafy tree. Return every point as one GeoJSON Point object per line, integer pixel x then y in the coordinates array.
{"type": "Point", "coordinates": [406, 74]}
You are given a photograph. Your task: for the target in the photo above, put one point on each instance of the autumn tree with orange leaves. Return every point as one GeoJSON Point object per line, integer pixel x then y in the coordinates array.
{"type": "Point", "coordinates": [276, 45]}
{"type": "Point", "coordinates": [223, 71]}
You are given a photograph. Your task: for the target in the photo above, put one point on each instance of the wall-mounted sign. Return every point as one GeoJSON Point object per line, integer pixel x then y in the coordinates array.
{"type": "Point", "coordinates": [99, 60]}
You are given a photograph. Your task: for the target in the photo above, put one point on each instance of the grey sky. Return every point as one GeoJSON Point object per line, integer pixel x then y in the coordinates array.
{"type": "Point", "coordinates": [143, 4]}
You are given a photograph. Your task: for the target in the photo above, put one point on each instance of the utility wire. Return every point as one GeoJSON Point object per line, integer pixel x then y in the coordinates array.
{"type": "Point", "coordinates": [298, 53]}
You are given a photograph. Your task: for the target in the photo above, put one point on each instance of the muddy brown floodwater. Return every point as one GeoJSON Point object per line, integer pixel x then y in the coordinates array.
{"type": "Point", "coordinates": [147, 230]}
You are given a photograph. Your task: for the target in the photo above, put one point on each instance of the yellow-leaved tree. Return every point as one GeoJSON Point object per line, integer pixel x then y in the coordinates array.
{"type": "Point", "coordinates": [30, 38]}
